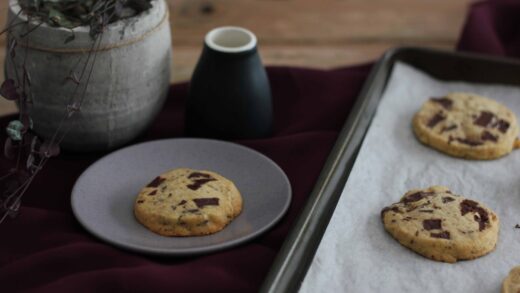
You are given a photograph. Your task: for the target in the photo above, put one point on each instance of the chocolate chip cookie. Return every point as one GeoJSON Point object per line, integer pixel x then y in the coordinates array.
{"type": "Point", "coordinates": [511, 284]}
{"type": "Point", "coordinates": [186, 202]}
{"type": "Point", "coordinates": [466, 125]}
{"type": "Point", "coordinates": [442, 226]}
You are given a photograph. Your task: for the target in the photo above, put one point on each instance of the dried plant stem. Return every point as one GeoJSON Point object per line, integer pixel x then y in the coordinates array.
{"type": "Point", "coordinates": [18, 88]}
{"type": "Point", "coordinates": [73, 99]}
{"type": "Point", "coordinates": [21, 191]}
{"type": "Point", "coordinates": [11, 23]}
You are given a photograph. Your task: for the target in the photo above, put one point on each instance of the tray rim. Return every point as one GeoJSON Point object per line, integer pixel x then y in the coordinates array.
{"type": "Point", "coordinates": [298, 250]}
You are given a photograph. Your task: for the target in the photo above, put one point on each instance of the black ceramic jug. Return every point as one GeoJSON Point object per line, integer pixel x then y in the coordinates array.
{"type": "Point", "coordinates": [229, 96]}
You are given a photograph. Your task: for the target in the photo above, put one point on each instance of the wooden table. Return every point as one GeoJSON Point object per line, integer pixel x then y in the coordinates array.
{"type": "Point", "coordinates": [310, 33]}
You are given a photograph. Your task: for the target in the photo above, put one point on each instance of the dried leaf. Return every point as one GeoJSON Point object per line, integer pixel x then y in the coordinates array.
{"type": "Point", "coordinates": [27, 76]}
{"type": "Point", "coordinates": [57, 18]}
{"type": "Point", "coordinates": [73, 13]}
{"type": "Point", "coordinates": [35, 144]}
{"type": "Point", "coordinates": [73, 77]}
{"type": "Point", "coordinates": [49, 149]}
{"type": "Point", "coordinates": [12, 47]}
{"type": "Point", "coordinates": [73, 108]}
{"type": "Point", "coordinates": [70, 38]}
{"type": "Point", "coordinates": [30, 162]}
{"type": "Point", "coordinates": [9, 91]}
{"type": "Point", "coordinates": [14, 209]}
{"type": "Point", "coordinates": [14, 130]}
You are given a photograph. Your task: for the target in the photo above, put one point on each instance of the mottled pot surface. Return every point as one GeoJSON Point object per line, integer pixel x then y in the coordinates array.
{"type": "Point", "coordinates": [127, 87]}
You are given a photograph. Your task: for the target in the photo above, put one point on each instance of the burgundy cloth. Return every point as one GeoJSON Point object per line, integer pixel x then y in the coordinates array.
{"type": "Point", "coordinates": [46, 250]}
{"type": "Point", "coordinates": [492, 27]}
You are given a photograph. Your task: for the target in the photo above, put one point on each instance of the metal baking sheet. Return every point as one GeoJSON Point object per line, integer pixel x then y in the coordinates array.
{"type": "Point", "coordinates": [297, 252]}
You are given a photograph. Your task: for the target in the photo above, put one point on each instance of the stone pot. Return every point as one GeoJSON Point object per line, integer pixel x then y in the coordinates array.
{"type": "Point", "coordinates": [127, 88]}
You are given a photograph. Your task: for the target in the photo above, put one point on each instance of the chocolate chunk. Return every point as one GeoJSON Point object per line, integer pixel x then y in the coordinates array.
{"type": "Point", "coordinates": [205, 222]}
{"type": "Point", "coordinates": [450, 139]}
{"type": "Point", "coordinates": [502, 125]}
{"type": "Point", "coordinates": [182, 202]}
{"type": "Point", "coordinates": [416, 233]}
{"type": "Point", "coordinates": [417, 196]}
{"type": "Point", "coordinates": [432, 224]}
{"type": "Point", "coordinates": [448, 191]}
{"type": "Point", "coordinates": [140, 201]}
{"type": "Point", "coordinates": [426, 211]}
{"type": "Point", "coordinates": [197, 183]}
{"type": "Point", "coordinates": [444, 102]}
{"type": "Point", "coordinates": [193, 210]}
{"type": "Point", "coordinates": [448, 128]}
{"type": "Point", "coordinates": [387, 209]}
{"type": "Point", "coordinates": [484, 119]}
{"type": "Point", "coordinates": [486, 135]}
{"type": "Point", "coordinates": [469, 142]}
{"type": "Point", "coordinates": [156, 182]}
{"type": "Point", "coordinates": [202, 202]}
{"type": "Point", "coordinates": [467, 206]}
{"type": "Point", "coordinates": [435, 120]}
{"type": "Point", "coordinates": [443, 235]}
{"type": "Point", "coordinates": [198, 175]}
{"type": "Point", "coordinates": [411, 209]}
{"type": "Point", "coordinates": [153, 193]}
{"type": "Point", "coordinates": [517, 226]}
{"type": "Point", "coordinates": [447, 199]}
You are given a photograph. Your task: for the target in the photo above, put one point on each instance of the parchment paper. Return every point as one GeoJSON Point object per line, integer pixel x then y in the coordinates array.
{"type": "Point", "coordinates": [356, 254]}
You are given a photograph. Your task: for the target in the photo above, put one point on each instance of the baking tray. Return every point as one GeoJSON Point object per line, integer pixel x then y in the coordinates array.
{"type": "Point", "coordinates": [296, 254]}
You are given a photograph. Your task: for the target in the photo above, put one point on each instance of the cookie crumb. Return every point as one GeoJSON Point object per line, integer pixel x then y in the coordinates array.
{"type": "Point", "coordinates": [517, 226]}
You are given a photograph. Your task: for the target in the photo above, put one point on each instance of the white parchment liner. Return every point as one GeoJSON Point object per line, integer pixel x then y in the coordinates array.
{"type": "Point", "coordinates": [356, 254]}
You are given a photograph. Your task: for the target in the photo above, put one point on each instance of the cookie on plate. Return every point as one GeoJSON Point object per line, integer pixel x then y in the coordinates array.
{"type": "Point", "coordinates": [466, 125]}
{"type": "Point", "coordinates": [442, 226]}
{"type": "Point", "coordinates": [511, 284]}
{"type": "Point", "coordinates": [186, 202]}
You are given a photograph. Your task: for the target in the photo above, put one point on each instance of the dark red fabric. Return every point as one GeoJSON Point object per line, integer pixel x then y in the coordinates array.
{"type": "Point", "coordinates": [492, 27]}
{"type": "Point", "coordinates": [46, 250]}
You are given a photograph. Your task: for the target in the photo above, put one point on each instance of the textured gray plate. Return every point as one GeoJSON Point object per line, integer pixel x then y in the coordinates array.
{"type": "Point", "coordinates": [103, 196]}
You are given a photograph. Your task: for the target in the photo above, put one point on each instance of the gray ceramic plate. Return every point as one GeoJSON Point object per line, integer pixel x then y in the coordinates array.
{"type": "Point", "coordinates": [103, 196]}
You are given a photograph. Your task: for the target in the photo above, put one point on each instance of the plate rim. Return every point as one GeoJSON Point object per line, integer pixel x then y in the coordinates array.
{"type": "Point", "coordinates": [188, 251]}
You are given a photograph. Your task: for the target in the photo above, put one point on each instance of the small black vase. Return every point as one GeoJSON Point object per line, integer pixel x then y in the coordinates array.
{"type": "Point", "coordinates": [229, 96]}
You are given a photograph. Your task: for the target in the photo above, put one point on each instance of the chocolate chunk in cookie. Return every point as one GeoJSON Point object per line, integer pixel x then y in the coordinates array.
{"type": "Point", "coordinates": [466, 125]}
{"type": "Point", "coordinates": [185, 202]}
{"type": "Point", "coordinates": [442, 226]}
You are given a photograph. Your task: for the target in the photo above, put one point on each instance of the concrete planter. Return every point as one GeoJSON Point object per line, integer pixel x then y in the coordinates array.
{"type": "Point", "coordinates": [128, 86]}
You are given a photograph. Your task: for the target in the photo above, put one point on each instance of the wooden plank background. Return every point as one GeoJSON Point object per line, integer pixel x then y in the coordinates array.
{"type": "Point", "coordinates": [310, 33]}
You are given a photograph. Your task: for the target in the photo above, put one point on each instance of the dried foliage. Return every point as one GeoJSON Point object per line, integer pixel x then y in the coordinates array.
{"type": "Point", "coordinates": [93, 13]}
{"type": "Point", "coordinates": [23, 147]}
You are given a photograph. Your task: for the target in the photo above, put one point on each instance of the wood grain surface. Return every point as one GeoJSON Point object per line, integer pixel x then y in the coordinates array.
{"type": "Point", "coordinates": [318, 34]}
